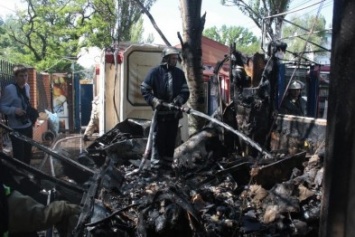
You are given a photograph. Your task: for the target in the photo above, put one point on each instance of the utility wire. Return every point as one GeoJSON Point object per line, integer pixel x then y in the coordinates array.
{"type": "Point", "coordinates": [3, 6]}
{"type": "Point", "coordinates": [326, 5]}
{"type": "Point", "coordinates": [305, 29]}
{"type": "Point", "coordinates": [314, 32]}
{"type": "Point", "coordinates": [292, 11]}
{"type": "Point", "coordinates": [300, 56]}
{"type": "Point", "coordinates": [299, 3]}
{"type": "Point", "coordinates": [322, 6]}
{"type": "Point", "coordinates": [319, 46]}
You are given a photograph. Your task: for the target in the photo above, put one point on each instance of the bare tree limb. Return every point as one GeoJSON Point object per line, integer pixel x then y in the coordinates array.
{"type": "Point", "coordinates": [156, 27]}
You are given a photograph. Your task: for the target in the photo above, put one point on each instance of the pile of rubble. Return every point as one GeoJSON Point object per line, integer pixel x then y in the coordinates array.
{"type": "Point", "coordinates": [212, 193]}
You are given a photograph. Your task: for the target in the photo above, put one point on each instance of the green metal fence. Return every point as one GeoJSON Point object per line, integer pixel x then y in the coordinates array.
{"type": "Point", "coordinates": [6, 75]}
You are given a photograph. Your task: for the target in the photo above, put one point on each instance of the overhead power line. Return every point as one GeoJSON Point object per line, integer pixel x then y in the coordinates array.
{"type": "Point", "coordinates": [298, 3]}
{"type": "Point", "coordinates": [292, 11]}
{"type": "Point", "coordinates": [3, 6]}
{"type": "Point", "coordinates": [314, 32]}
{"type": "Point", "coordinates": [311, 11]}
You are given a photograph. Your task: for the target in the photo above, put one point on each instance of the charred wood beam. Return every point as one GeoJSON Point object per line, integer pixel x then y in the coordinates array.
{"type": "Point", "coordinates": [87, 203]}
{"type": "Point", "coordinates": [40, 174]}
{"type": "Point", "coordinates": [88, 199]}
{"type": "Point", "coordinates": [266, 175]}
{"type": "Point", "coordinates": [196, 143]}
{"type": "Point", "coordinates": [278, 171]}
{"type": "Point", "coordinates": [239, 172]}
{"type": "Point", "coordinates": [113, 214]}
{"type": "Point", "coordinates": [47, 150]}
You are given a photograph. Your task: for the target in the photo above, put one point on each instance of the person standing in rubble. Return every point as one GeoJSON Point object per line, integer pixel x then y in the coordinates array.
{"type": "Point", "coordinates": [165, 83]}
{"type": "Point", "coordinates": [12, 104]}
{"type": "Point", "coordinates": [293, 103]}
{"type": "Point", "coordinates": [94, 119]}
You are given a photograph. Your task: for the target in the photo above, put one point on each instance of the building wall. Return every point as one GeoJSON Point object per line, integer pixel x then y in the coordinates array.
{"type": "Point", "coordinates": [44, 94]}
{"type": "Point", "coordinates": [40, 92]}
{"type": "Point", "coordinates": [32, 81]}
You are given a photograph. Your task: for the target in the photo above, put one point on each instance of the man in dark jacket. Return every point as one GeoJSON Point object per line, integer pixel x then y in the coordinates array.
{"type": "Point", "coordinates": [165, 83]}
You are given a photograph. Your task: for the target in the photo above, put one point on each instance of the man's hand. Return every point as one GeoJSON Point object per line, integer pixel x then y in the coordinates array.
{"type": "Point", "coordinates": [178, 101]}
{"type": "Point", "coordinates": [20, 112]}
{"type": "Point", "coordinates": [157, 104]}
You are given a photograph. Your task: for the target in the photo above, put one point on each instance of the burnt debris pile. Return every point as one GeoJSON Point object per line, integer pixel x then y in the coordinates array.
{"type": "Point", "coordinates": [210, 193]}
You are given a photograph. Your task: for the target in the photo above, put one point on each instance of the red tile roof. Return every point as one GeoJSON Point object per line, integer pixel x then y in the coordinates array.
{"type": "Point", "coordinates": [212, 51]}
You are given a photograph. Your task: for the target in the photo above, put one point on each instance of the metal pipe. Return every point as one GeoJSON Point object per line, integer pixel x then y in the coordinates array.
{"type": "Point", "coordinates": [226, 126]}
{"type": "Point", "coordinates": [148, 147]}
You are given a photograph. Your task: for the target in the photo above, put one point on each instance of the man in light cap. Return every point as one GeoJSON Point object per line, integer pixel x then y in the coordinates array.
{"type": "Point", "coordinates": [293, 103]}
{"type": "Point", "coordinates": [165, 83]}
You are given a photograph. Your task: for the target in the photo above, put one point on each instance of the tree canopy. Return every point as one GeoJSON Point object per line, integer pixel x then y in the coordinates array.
{"type": "Point", "coordinates": [51, 30]}
{"type": "Point", "coordinates": [261, 10]}
{"type": "Point", "coordinates": [297, 33]}
{"type": "Point", "coordinates": [245, 40]}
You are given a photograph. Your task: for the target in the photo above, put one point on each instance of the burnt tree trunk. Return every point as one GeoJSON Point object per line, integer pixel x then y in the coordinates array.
{"type": "Point", "coordinates": [338, 211]}
{"type": "Point", "coordinates": [193, 25]}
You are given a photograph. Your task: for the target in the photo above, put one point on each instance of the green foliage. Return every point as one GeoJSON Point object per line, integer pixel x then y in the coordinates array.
{"type": "Point", "coordinates": [50, 30]}
{"type": "Point", "coordinates": [293, 34]}
{"type": "Point", "coordinates": [245, 40]}
{"type": "Point", "coordinates": [214, 33]}
{"type": "Point", "coordinates": [11, 50]}
{"type": "Point", "coordinates": [137, 32]}
{"type": "Point", "coordinates": [257, 10]}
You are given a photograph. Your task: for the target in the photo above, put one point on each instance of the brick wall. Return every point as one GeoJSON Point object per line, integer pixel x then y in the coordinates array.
{"type": "Point", "coordinates": [44, 92]}
{"type": "Point", "coordinates": [46, 80]}
{"type": "Point", "coordinates": [32, 81]}
{"type": "Point", "coordinates": [40, 92]}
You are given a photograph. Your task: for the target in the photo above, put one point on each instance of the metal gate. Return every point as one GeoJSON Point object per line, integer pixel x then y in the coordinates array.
{"type": "Point", "coordinates": [6, 75]}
